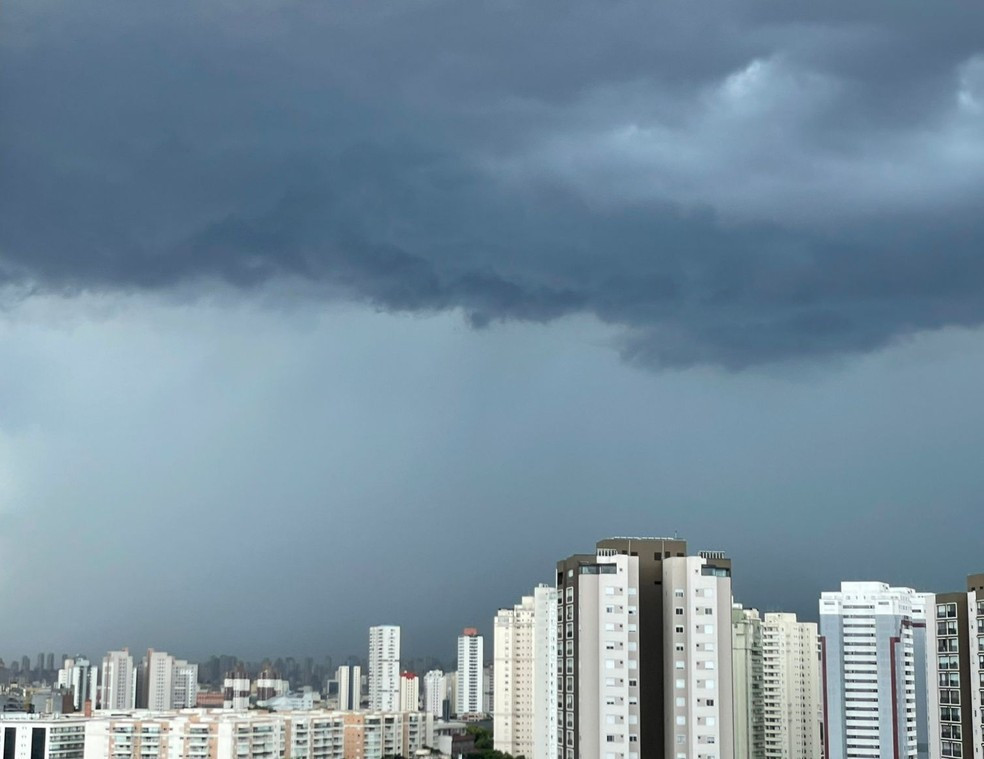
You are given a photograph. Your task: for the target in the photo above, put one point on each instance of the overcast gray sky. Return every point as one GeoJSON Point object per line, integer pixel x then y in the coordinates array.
{"type": "Point", "coordinates": [315, 315]}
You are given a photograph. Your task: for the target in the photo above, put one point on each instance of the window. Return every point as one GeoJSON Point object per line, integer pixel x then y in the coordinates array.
{"type": "Point", "coordinates": [678, 611]}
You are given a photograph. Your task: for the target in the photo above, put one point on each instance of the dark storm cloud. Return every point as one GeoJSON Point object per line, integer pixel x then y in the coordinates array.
{"type": "Point", "coordinates": [733, 183]}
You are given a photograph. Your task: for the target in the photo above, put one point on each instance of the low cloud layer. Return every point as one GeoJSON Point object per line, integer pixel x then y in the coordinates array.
{"type": "Point", "coordinates": [731, 183]}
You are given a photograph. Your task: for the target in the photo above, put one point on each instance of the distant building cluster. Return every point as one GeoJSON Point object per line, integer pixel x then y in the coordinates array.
{"type": "Point", "coordinates": [638, 650]}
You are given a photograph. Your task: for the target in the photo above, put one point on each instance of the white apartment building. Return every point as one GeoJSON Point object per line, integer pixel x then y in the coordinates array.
{"type": "Point", "coordinates": [791, 690]}
{"type": "Point", "coordinates": [606, 699]}
{"type": "Point", "coordinates": [201, 734]}
{"type": "Point", "coordinates": [614, 628]}
{"type": "Point", "coordinates": [409, 692]}
{"type": "Point", "coordinates": [697, 657]}
{"type": "Point", "coordinates": [435, 693]}
{"type": "Point", "coordinates": [119, 681]}
{"type": "Point", "coordinates": [349, 680]}
{"type": "Point", "coordinates": [525, 673]}
{"type": "Point", "coordinates": [451, 682]}
{"type": "Point", "coordinates": [79, 675]}
{"type": "Point", "coordinates": [471, 654]}
{"type": "Point", "coordinates": [158, 681]}
{"type": "Point", "coordinates": [384, 668]}
{"type": "Point", "coordinates": [27, 736]}
{"type": "Point", "coordinates": [746, 637]}
{"type": "Point", "coordinates": [873, 644]}
{"type": "Point", "coordinates": [185, 682]}
{"type": "Point", "coordinates": [185, 735]}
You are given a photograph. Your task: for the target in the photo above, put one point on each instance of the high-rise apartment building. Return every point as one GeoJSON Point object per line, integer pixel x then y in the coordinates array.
{"type": "Point", "coordinates": [185, 685]}
{"type": "Point", "coordinates": [791, 688]}
{"type": "Point", "coordinates": [384, 668]}
{"type": "Point", "coordinates": [25, 736]}
{"type": "Point", "coordinates": [409, 692]}
{"type": "Point", "coordinates": [873, 649]}
{"type": "Point", "coordinates": [525, 673]}
{"type": "Point", "coordinates": [488, 688]}
{"type": "Point", "coordinates": [471, 653]}
{"type": "Point", "coordinates": [270, 685]}
{"type": "Point", "coordinates": [697, 656]}
{"type": "Point", "coordinates": [747, 674]}
{"type": "Point", "coordinates": [436, 693]}
{"type": "Point", "coordinates": [236, 690]}
{"type": "Point", "coordinates": [451, 683]}
{"type": "Point", "coordinates": [955, 672]}
{"type": "Point", "coordinates": [119, 681]}
{"type": "Point", "coordinates": [81, 677]}
{"type": "Point", "coordinates": [349, 679]}
{"type": "Point", "coordinates": [610, 649]}
{"type": "Point", "coordinates": [204, 734]}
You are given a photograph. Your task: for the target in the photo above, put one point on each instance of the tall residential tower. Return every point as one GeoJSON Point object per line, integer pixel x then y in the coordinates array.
{"type": "Point", "coordinates": [640, 626]}
{"type": "Point", "coordinates": [525, 672]}
{"type": "Point", "coordinates": [384, 668]}
{"type": "Point", "coordinates": [471, 653]}
{"type": "Point", "coordinates": [873, 644]}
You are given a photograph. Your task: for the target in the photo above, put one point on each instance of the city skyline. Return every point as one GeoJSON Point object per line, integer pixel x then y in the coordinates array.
{"type": "Point", "coordinates": [315, 316]}
{"type": "Point", "coordinates": [444, 651]}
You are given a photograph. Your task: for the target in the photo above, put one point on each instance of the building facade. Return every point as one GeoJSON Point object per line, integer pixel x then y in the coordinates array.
{"type": "Point", "coordinates": [409, 692]}
{"type": "Point", "coordinates": [236, 690]}
{"type": "Point", "coordinates": [612, 601]}
{"type": "Point", "coordinates": [697, 657]}
{"type": "Point", "coordinates": [81, 677]}
{"type": "Point", "coordinates": [185, 682]}
{"type": "Point", "coordinates": [384, 668]}
{"type": "Point", "coordinates": [793, 715]}
{"type": "Point", "coordinates": [436, 694]}
{"type": "Point", "coordinates": [349, 679]}
{"type": "Point", "coordinates": [747, 673]}
{"type": "Point", "coordinates": [119, 681]}
{"type": "Point", "coordinates": [25, 736]}
{"type": "Point", "coordinates": [955, 647]}
{"type": "Point", "coordinates": [471, 653]}
{"type": "Point", "coordinates": [199, 734]}
{"type": "Point", "coordinates": [525, 672]}
{"type": "Point", "coordinates": [873, 649]}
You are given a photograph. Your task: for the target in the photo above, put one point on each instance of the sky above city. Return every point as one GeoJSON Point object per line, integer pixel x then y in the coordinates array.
{"type": "Point", "coordinates": [317, 315]}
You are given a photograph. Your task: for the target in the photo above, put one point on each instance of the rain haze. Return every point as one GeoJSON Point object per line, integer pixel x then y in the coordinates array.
{"type": "Point", "coordinates": [317, 315]}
